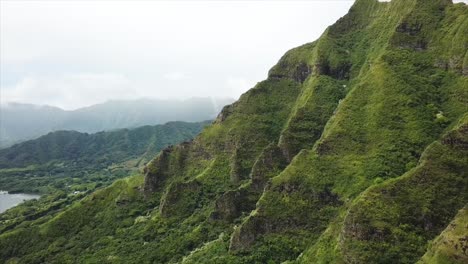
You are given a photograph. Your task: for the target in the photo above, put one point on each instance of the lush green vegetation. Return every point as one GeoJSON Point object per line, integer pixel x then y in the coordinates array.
{"type": "Point", "coordinates": [73, 161]}
{"type": "Point", "coordinates": [450, 245]}
{"type": "Point", "coordinates": [65, 166]}
{"type": "Point", "coordinates": [354, 150]}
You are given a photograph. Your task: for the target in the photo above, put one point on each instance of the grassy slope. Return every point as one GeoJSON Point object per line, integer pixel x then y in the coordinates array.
{"type": "Point", "coordinates": [397, 218]}
{"type": "Point", "coordinates": [351, 113]}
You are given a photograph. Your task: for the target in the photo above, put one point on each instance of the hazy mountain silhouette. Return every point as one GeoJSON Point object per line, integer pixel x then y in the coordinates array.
{"type": "Point", "coordinates": [20, 122]}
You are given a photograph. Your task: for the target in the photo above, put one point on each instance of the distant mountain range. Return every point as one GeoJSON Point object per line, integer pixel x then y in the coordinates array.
{"type": "Point", "coordinates": [20, 122]}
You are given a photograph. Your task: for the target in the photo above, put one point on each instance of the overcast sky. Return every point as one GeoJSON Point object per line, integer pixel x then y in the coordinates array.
{"type": "Point", "coordinates": [77, 53]}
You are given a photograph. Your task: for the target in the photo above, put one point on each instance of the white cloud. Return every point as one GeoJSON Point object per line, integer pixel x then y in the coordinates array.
{"type": "Point", "coordinates": [71, 91]}
{"type": "Point", "coordinates": [76, 53]}
{"type": "Point", "coordinates": [56, 52]}
{"type": "Point", "coordinates": [174, 76]}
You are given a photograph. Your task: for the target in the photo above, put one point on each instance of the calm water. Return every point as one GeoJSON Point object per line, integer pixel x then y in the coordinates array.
{"type": "Point", "coordinates": [9, 200]}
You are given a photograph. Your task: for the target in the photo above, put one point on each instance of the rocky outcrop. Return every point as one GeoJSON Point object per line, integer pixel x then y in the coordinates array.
{"type": "Point", "coordinates": [298, 72]}
{"type": "Point", "coordinates": [180, 199]}
{"type": "Point", "coordinates": [338, 72]}
{"type": "Point", "coordinates": [269, 164]}
{"type": "Point", "coordinates": [236, 166]}
{"type": "Point", "coordinates": [414, 32]}
{"type": "Point", "coordinates": [225, 113]}
{"type": "Point", "coordinates": [302, 216]}
{"type": "Point", "coordinates": [302, 72]}
{"type": "Point", "coordinates": [454, 64]}
{"type": "Point", "coordinates": [451, 246]}
{"type": "Point", "coordinates": [168, 162]}
{"type": "Point", "coordinates": [246, 235]}
{"type": "Point", "coordinates": [410, 29]}
{"type": "Point", "coordinates": [232, 204]}
{"type": "Point", "coordinates": [235, 203]}
{"type": "Point", "coordinates": [156, 172]}
{"type": "Point", "coordinates": [408, 37]}
{"type": "Point", "coordinates": [458, 138]}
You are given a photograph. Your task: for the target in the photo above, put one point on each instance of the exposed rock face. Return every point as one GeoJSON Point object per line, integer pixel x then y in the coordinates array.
{"type": "Point", "coordinates": [451, 246]}
{"type": "Point", "coordinates": [409, 37]}
{"type": "Point", "coordinates": [410, 29]}
{"type": "Point", "coordinates": [299, 73]}
{"type": "Point", "coordinates": [415, 30]}
{"type": "Point", "coordinates": [225, 112]}
{"type": "Point", "coordinates": [180, 199]}
{"type": "Point", "coordinates": [457, 139]}
{"type": "Point", "coordinates": [270, 163]}
{"type": "Point", "coordinates": [260, 225]}
{"type": "Point", "coordinates": [167, 162]}
{"type": "Point", "coordinates": [232, 204]}
{"type": "Point", "coordinates": [302, 72]}
{"type": "Point", "coordinates": [246, 235]}
{"type": "Point", "coordinates": [236, 166]}
{"type": "Point", "coordinates": [338, 72]}
{"type": "Point", "coordinates": [156, 171]}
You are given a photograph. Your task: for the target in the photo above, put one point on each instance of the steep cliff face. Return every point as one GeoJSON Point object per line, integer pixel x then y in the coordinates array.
{"type": "Point", "coordinates": [373, 97]}
{"type": "Point", "coordinates": [352, 151]}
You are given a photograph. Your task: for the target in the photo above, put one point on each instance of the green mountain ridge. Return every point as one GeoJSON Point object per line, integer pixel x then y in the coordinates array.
{"type": "Point", "coordinates": [353, 150]}
{"type": "Point", "coordinates": [58, 157]}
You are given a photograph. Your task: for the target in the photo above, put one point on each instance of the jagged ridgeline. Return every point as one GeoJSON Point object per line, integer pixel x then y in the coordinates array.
{"type": "Point", "coordinates": [354, 150]}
